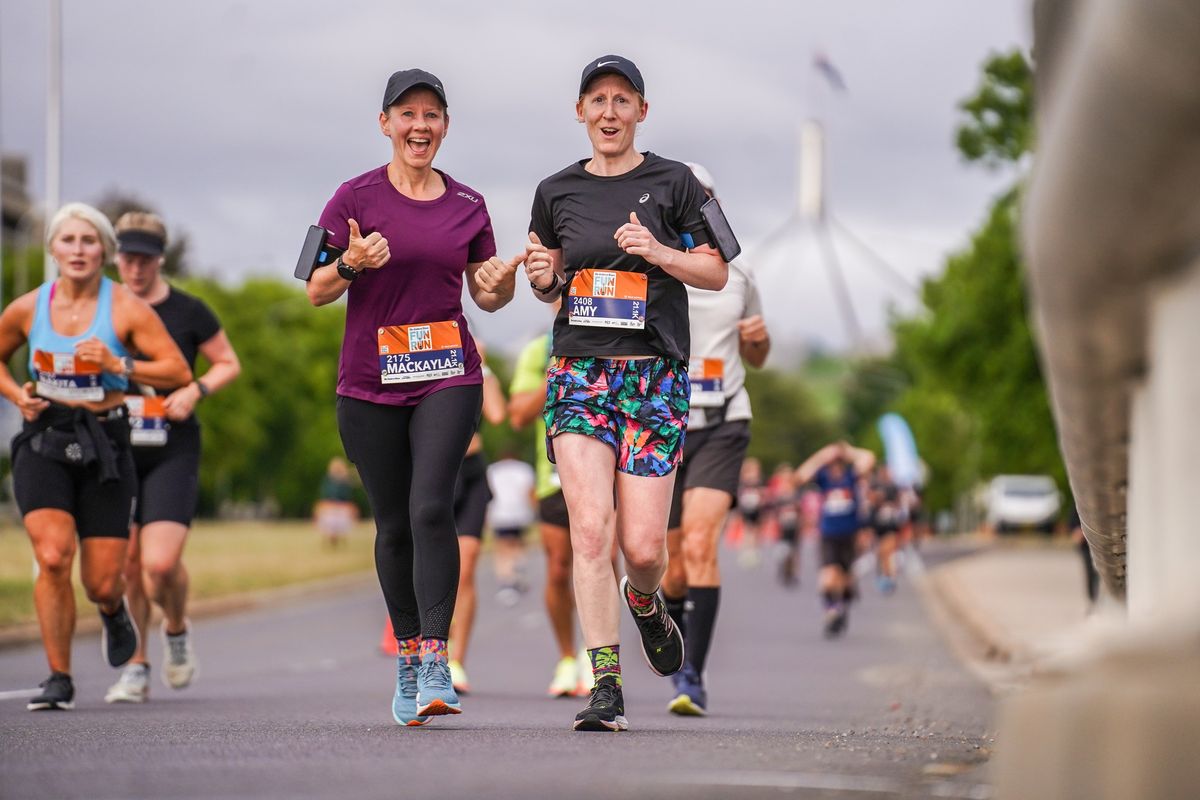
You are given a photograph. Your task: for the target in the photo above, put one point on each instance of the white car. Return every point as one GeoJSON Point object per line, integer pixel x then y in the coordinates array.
{"type": "Point", "coordinates": [1021, 501]}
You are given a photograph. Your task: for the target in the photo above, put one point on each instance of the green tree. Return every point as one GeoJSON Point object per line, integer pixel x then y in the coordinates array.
{"type": "Point", "coordinates": [788, 423]}
{"type": "Point", "coordinates": [977, 402]}
{"type": "Point", "coordinates": [999, 128]}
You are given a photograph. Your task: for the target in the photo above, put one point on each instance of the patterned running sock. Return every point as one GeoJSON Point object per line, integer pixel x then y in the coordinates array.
{"type": "Point", "coordinates": [410, 646]}
{"type": "Point", "coordinates": [436, 646]}
{"type": "Point", "coordinates": [606, 661]}
{"type": "Point", "coordinates": [677, 608]}
{"type": "Point", "coordinates": [641, 603]}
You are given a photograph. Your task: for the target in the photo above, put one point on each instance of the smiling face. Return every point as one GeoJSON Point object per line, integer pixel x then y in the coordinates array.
{"type": "Point", "coordinates": [78, 250]}
{"type": "Point", "coordinates": [416, 124]}
{"type": "Point", "coordinates": [611, 108]}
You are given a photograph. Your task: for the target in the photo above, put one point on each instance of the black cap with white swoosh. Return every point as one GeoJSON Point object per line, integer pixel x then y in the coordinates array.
{"type": "Point", "coordinates": [406, 79]}
{"type": "Point", "coordinates": [616, 65]}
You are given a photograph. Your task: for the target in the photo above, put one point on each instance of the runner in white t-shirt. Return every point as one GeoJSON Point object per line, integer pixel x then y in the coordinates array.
{"type": "Point", "coordinates": [509, 514]}
{"type": "Point", "coordinates": [726, 329]}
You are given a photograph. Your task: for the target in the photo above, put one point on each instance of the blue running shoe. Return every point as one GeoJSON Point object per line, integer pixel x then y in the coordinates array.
{"type": "Point", "coordinates": [690, 698]}
{"type": "Point", "coordinates": [886, 584]}
{"type": "Point", "coordinates": [404, 703]}
{"type": "Point", "coordinates": [435, 690]}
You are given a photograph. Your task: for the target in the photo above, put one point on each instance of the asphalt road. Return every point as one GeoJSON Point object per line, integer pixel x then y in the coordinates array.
{"type": "Point", "coordinates": [294, 702]}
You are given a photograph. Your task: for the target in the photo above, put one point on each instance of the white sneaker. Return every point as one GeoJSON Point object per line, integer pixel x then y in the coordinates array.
{"type": "Point", "coordinates": [566, 678]}
{"type": "Point", "coordinates": [132, 687]}
{"type": "Point", "coordinates": [179, 662]}
{"type": "Point", "coordinates": [586, 679]}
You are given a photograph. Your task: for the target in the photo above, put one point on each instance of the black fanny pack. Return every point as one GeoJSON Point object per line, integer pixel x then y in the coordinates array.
{"type": "Point", "coordinates": [77, 437]}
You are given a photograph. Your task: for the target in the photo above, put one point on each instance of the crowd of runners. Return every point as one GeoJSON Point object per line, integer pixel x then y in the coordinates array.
{"type": "Point", "coordinates": [635, 393]}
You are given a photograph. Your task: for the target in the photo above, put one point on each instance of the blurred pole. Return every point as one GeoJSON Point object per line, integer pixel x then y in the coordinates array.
{"type": "Point", "coordinates": [53, 124]}
{"type": "Point", "coordinates": [1, 178]}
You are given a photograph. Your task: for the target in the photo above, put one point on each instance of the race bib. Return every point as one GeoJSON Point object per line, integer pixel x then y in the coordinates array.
{"type": "Point", "coordinates": [148, 424]}
{"type": "Point", "coordinates": [604, 298]}
{"type": "Point", "coordinates": [422, 352]}
{"type": "Point", "coordinates": [707, 376]}
{"type": "Point", "coordinates": [839, 501]}
{"type": "Point", "coordinates": [62, 376]}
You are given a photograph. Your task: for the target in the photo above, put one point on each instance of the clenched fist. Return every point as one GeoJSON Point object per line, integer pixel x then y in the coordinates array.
{"type": "Point", "coordinates": [539, 266]}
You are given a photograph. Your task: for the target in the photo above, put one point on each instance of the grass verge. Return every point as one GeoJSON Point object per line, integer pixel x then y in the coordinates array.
{"type": "Point", "coordinates": [223, 558]}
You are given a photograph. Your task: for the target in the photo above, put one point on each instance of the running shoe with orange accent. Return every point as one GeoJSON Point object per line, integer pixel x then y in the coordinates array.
{"type": "Point", "coordinates": [404, 702]}
{"type": "Point", "coordinates": [435, 691]}
{"type": "Point", "coordinates": [566, 678]}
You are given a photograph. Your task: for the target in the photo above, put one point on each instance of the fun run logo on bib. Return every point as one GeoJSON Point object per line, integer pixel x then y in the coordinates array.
{"type": "Point", "coordinates": [63, 377]}
{"type": "Point", "coordinates": [423, 352]}
{"type": "Point", "coordinates": [608, 299]}
{"type": "Point", "coordinates": [708, 382]}
{"type": "Point", "coordinates": [147, 420]}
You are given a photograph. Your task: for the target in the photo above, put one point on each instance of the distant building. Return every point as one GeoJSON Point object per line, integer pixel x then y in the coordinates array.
{"type": "Point", "coordinates": [14, 197]}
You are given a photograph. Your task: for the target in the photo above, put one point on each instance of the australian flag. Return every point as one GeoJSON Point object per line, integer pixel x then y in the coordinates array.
{"type": "Point", "coordinates": [823, 65]}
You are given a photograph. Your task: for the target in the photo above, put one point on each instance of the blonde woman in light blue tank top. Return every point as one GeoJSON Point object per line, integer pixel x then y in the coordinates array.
{"type": "Point", "coordinates": [73, 474]}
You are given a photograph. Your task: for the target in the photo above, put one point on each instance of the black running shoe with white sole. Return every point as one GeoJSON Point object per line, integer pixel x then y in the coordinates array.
{"type": "Point", "coordinates": [119, 636]}
{"type": "Point", "coordinates": [662, 643]}
{"type": "Point", "coordinates": [58, 692]}
{"type": "Point", "coordinates": [606, 709]}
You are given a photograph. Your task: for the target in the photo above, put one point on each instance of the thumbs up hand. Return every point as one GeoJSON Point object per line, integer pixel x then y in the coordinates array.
{"type": "Point", "coordinates": [636, 239]}
{"type": "Point", "coordinates": [370, 252]}
{"type": "Point", "coordinates": [496, 273]}
{"type": "Point", "coordinates": [539, 266]}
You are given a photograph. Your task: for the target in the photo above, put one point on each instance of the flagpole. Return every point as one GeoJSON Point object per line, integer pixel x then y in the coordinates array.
{"type": "Point", "coordinates": [53, 126]}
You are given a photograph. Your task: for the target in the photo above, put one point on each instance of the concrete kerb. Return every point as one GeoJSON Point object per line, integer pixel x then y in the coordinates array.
{"type": "Point", "coordinates": [28, 633]}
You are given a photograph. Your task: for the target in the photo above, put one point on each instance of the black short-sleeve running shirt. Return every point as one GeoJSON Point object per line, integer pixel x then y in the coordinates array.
{"type": "Point", "coordinates": [579, 212]}
{"type": "Point", "coordinates": [190, 322]}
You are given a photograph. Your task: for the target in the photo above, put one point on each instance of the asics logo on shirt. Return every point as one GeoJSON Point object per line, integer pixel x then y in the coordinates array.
{"type": "Point", "coordinates": [644, 197]}
{"type": "Point", "coordinates": [470, 197]}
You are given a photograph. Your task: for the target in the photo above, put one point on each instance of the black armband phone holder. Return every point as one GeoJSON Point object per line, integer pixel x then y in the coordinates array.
{"type": "Point", "coordinates": [719, 230]}
{"type": "Point", "coordinates": [316, 252]}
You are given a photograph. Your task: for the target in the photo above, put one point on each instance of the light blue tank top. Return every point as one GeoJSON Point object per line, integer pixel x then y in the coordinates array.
{"type": "Point", "coordinates": [42, 335]}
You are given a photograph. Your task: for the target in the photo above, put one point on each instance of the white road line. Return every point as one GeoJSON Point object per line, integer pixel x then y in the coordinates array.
{"type": "Point", "coordinates": [833, 782]}
{"type": "Point", "coordinates": [18, 694]}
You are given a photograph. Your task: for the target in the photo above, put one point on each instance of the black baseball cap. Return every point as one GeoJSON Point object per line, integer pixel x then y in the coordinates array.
{"type": "Point", "coordinates": [406, 79]}
{"type": "Point", "coordinates": [146, 243]}
{"type": "Point", "coordinates": [617, 65]}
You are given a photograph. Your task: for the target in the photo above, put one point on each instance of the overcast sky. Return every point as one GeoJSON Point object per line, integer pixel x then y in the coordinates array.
{"type": "Point", "coordinates": [238, 120]}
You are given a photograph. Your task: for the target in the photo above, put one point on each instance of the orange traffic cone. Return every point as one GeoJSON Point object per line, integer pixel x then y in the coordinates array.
{"type": "Point", "coordinates": [387, 643]}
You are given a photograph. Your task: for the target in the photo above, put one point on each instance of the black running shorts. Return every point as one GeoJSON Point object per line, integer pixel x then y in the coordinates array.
{"type": "Point", "coordinates": [471, 496]}
{"type": "Point", "coordinates": [99, 509]}
{"type": "Point", "coordinates": [712, 459]}
{"type": "Point", "coordinates": [169, 477]}
{"type": "Point", "coordinates": [838, 551]}
{"type": "Point", "coordinates": [552, 510]}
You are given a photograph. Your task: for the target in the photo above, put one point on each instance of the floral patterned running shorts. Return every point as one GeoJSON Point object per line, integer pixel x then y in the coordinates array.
{"type": "Point", "coordinates": [638, 406]}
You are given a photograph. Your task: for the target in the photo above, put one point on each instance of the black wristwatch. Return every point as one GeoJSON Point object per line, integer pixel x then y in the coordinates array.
{"type": "Point", "coordinates": [553, 285]}
{"type": "Point", "coordinates": [346, 271]}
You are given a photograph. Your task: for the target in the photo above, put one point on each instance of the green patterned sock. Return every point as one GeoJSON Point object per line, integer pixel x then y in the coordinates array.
{"type": "Point", "coordinates": [606, 661]}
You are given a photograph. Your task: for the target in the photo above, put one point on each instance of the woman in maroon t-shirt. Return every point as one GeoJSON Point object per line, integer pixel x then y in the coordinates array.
{"type": "Point", "coordinates": [409, 378]}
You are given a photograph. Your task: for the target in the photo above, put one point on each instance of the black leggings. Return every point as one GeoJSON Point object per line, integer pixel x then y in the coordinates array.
{"type": "Point", "coordinates": [408, 458]}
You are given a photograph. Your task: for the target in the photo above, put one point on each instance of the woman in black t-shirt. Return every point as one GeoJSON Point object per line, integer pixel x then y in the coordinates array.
{"type": "Point", "coordinates": [166, 452]}
{"type": "Point", "coordinates": [617, 236]}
